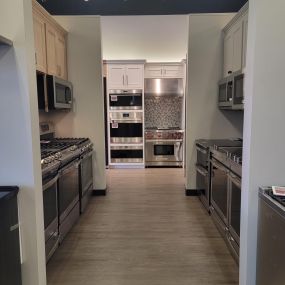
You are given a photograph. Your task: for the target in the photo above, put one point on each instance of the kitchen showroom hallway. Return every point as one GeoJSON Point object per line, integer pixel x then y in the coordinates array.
{"type": "Point", "coordinates": [144, 232]}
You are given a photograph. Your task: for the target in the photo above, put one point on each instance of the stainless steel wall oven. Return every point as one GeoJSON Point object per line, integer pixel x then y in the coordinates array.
{"type": "Point", "coordinates": [125, 99]}
{"type": "Point", "coordinates": [126, 127]}
{"type": "Point", "coordinates": [127, 154]}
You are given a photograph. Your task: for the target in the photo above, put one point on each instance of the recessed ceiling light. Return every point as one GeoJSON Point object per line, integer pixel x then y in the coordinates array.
{"type": "Point", "coordinates": [86, 0]}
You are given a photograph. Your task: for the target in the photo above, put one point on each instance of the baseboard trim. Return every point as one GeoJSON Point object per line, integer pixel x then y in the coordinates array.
{"type": "Point", "coordinates": [99, 192]}
{"type": "Point", "coordinates": [191, 192]}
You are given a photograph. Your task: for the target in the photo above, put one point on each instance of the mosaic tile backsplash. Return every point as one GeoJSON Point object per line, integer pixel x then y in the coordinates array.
{"type": "Point", "coordinates": [163, 112]}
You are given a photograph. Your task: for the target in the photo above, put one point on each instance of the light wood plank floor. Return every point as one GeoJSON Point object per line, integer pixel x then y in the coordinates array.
{"type": "Point", "coordinates": [144, 232]}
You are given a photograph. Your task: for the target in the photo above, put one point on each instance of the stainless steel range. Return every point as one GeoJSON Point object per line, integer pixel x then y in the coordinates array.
{"type": "Point", "coordinates": [164, 147]}
{"type": "Point", "coordinates": [226, 168]}
{"type": "Point", "coordinates": [67, 183]}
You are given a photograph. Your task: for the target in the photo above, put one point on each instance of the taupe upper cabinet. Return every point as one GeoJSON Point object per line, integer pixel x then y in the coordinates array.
{"type": "Point", "coordinates": [235, 37]}
{"type": "Point", "coordinates": [50, 43]}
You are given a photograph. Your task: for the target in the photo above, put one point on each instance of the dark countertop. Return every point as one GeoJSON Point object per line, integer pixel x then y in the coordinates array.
{"type": "Point", "coordinates": [8, 192]}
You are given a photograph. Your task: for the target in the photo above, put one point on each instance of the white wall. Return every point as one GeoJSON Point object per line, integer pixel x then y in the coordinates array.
{"type": "Point", "coordinates": [204, 119]}
{"type": "Point", "coordinates": [264, 136]}
{"type": "Point", "coordinates": [154, 38]}
{"type": "Point", "coordinates": [20, 145]}
{"type": "Point", "coordinates": [85, 72]}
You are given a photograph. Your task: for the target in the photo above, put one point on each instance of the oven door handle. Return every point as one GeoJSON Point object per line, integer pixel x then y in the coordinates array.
{"type": "Point", "coordinates": [235, 179]}
{"type": "Point", "coordinates": [162, 141]}
{"type": "Point", "coordinates": [219, 166]}
{"type": "Point", "coordinates": [50, 183]}
{"type": "Point", "coordinates": [69, 168]}
{"type": "Point", "coordinates": [128, 121]}
{"type": "Point", "coordinates": [201, 150]}
{"type": "Point", "coordinates": [202, 171]}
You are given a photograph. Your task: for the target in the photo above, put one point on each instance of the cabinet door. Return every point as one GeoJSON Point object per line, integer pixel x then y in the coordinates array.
{"type": "Point", "coordinates": [116, 76]}
{"type": "Point", "coordinates": [228, 54]}
{"type": "Point", "coordinates": [51, 45]}
{"type": "Point", "coordinates": [61, 56]}
{"type": "Point", "coordinates": [237, 46]}
{"type": "Point", "coordinates": [245, 28]}
{"type": "Point", "coordinates": [40, 43]}
{"type": "Point", "coordinates": [153, 71]}
{"type": "Point", "coordinates": [172, 71]}
{"type": "Point", "coordinates": [134, 76]}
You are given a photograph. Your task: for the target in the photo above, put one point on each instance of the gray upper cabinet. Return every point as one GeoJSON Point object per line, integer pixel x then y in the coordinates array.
{"type": "Point", "coordinates": [235, 38]}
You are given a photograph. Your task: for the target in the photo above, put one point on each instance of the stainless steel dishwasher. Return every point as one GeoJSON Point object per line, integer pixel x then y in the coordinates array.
{"type": "Point", "coordinates": [270, 239]}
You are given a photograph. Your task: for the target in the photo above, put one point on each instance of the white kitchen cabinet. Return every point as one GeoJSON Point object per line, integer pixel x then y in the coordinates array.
{"type": "Point", "coordinates": [125, 76]}
{"type": "Point", "coordinates": [164, 71]}
{"type": "Point", "coordinates": [235, 40]}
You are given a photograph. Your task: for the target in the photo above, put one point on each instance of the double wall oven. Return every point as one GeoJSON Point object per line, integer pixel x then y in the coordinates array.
{"type": "Point", "coordinates": [126, 137]}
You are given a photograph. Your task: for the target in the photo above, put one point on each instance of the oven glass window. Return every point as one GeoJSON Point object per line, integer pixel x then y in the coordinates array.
{"type": "Point", "coordinates": [223, 93]}
{"type": "Point", "coordinates": [50, 204]}
{"type": "Point", "coordinates": [164, 149]}
{"type": "Point", "coordinates": [68, 185]}
{"type": "Point", "coordinates": [60, 93]}
{"type": "Point", "coordinates": [126, 130]}
{"type": "Point", "coordinates": [126, 153]}
{"type": "Point", "coordinates": [235, 208]}
{"type": "Point", "coordinates": [86, 173]}
{"type": "Point", "coordinates": [130, 101]}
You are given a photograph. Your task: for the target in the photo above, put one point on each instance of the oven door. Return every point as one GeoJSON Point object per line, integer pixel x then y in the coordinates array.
{"type": "Point", "coordinates": [164, 151]}
{"type": "Point", "coordinates": [238, 96]}
{"type": "Point", "coordinates": [219, 189]}
{"type": "Point", "coordinates": [68, 188]}
{"type": "Point", "coordinates": [202, 157]}
{"type": "Point", "coordinates": [86, 179]}
{"type": "Point", "coordinates": [50, 203]}
{"type": "Point", "coordinates": [125, 100]}
{"type": "Point", "coordinates": [235, 206]}
{"type": "Point", "coordinates": [226, 93]}
{"type": "Point", "coordinates": [126, 154]}
{"type": "Point", "coordinates": [202, 185]}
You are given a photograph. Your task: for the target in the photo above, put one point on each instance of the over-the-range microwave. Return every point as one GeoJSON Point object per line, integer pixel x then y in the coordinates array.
{"type": "Point", "coordinates": [231, 95]}
{"type": "Point", "coordinates": [53, 92]}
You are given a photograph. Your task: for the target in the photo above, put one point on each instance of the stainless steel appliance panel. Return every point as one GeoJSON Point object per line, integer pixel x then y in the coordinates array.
{"type": "Point", "coordinates": [68, 188]}
{"type": "Point", "coordinates": [270, 241]}
{"type": "Point", "coordinates": [164, 152]}
{"type": "Point", "coordinates": [126, 154]}
{"type": "Point", "coordinates": [225, 98]}
{"type": "Point", "coordinates": [219, 189]}
{"type": "Point", "coordinates": [125, 99]}
{"type": "Point", "coordinates": [202, 184]}
{"type": "Point", "coordinates": [164, 87]}
{"type": "Point", "coordinates": [234, 206]}
{"type": "Point", "coordinates": [238, 94]}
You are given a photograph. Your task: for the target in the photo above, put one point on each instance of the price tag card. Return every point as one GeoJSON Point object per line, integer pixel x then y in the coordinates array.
{"type": "Point", "coordinates": [278, 190]}
{"type": "Point", "coordinates": [115, 125]}
{"type": "Point", "coordinates": [114, 98]}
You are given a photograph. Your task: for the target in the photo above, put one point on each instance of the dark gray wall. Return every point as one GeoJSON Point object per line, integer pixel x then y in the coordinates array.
{"type": "Point", "coordinates": [140, 7]}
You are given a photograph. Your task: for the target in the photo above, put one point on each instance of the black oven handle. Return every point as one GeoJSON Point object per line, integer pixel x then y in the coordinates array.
{"type": "Point", "coordinates": [202, 171]}
{"type": "Point", "coordinates": [219, 166]}
{"type": "Point", "coordinates": [69, 168]}
{"type": "Point", "coordinates": [50, 183]}
{"type": "Point", "coordinates": [201, 150]}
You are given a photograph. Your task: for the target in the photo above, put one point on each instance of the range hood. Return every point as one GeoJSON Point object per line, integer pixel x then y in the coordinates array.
{"type": "Point", "coordinates": [163, 87]}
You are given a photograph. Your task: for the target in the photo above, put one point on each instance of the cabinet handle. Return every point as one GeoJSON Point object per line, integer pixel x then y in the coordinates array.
{"type": "Point", "coordinates": [127, 79]}
{"type": "Point", "coordinates": [123, 79]}
{"type": "Point", "coordinates": [36, 58]}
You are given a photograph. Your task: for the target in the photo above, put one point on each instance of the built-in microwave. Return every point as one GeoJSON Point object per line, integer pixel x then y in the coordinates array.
{"type": "Point", "coordinates": [54, 92]}
{"type": "Point", "coordinates": [231, 92]}
{"type": "Point", "coordinates": [125, 99]}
